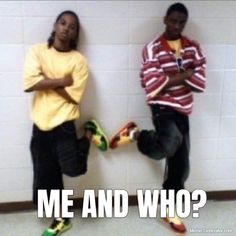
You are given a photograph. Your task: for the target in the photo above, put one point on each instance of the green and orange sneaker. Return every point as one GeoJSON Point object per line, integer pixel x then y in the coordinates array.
{"type": "Point", "coordinates": [124, 135]}
{"type": "Point", "coordinates": [58, 226]}
{"type": "Point", "coordinates": [175, 223]}
{"type": "Point", "coordinates": [98, 136]}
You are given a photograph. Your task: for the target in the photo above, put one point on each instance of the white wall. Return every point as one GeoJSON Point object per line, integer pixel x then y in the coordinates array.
{"type": "Point", "coordinates": [113, 34]}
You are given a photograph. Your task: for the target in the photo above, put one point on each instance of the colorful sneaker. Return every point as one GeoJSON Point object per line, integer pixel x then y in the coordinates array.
{"type": "Point", "coordinates": [57, 227]}
{"type": "Point", "coordinates": [176, 224]}
{"type": "Point", "coordinates": [99, 138]}
{"type": "Point", "coordinates": [123, 135]}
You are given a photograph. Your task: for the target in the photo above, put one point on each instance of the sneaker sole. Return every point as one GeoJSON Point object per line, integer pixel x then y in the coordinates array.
{"type": "Point", "coordinates": [101, 131]}
{"type": "Point", "coordinates": [171, 226]}
{"type": "Point", "coordinates": [126, 125]}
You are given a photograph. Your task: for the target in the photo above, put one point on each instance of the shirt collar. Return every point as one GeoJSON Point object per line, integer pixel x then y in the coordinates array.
{"type": "Point", "coordinates": [162, 39]}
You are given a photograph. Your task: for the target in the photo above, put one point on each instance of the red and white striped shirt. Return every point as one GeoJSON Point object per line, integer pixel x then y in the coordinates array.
{"type": "Point", "coordinates": [159, 62]}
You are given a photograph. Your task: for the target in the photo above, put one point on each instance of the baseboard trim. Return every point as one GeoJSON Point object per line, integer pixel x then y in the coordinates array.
{"type": "Point", "coordinates": [10, 207]}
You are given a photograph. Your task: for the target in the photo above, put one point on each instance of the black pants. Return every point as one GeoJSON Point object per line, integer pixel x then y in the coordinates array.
{"type": "Point", "coordinates": [169, 140]}
{"type": "Point", "coordinates": [57, 152]}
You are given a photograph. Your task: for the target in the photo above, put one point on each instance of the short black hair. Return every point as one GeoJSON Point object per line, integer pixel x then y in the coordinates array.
{"type": "Point", "coordinates": [73, 43]}
{"type": "Point", "coordinates": [179, 7]}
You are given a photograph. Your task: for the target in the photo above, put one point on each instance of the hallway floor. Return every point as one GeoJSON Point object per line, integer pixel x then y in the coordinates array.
{"type": "Point", "coordinates": [216, 218]}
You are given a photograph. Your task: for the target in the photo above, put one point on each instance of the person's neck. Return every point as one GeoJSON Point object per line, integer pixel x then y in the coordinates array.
{"type": "Point", "coordinates": [169, 38]}
{"type": "Point", "coordinates": [61, 46]}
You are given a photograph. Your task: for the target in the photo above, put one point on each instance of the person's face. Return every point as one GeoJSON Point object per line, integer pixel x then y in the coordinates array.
{"type": "Point", "coordinates": [175, 23]}
{"type": "Point", "coordinates": [66, 28]}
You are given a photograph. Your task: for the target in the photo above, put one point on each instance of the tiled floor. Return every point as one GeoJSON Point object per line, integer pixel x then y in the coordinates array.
{"type": "Point", "coordinates": [216, 218]}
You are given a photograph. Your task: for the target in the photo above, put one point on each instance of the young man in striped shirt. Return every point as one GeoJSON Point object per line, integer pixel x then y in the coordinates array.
{"type": "Point", "coordinates": [173, 67]}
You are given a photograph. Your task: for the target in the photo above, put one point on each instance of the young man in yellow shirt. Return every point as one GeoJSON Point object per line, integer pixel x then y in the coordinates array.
{"type": "Point", "coordinates": [57, 73]}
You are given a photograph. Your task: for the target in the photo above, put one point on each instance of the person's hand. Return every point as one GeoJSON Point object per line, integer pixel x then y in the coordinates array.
{"type": "Point", "coordinates": [67, 81]}
{"type": "Point", "coordinates": [189, 73]}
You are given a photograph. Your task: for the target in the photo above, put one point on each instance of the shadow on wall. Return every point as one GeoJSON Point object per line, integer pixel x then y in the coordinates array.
{"type": "Point", "coordinates": [90, 99]}
{"type": "Point", "coordinates": [89, 106]}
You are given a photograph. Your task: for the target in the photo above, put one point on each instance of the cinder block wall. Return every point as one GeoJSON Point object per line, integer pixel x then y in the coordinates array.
{"type": "Point", "coordinates": [112, 36]}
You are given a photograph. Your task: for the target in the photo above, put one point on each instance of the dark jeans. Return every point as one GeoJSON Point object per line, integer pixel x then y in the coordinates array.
{"type": "Point", "coordinates": [169, 140]}
{"type": "Point", "coordinates": [57, 152]}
